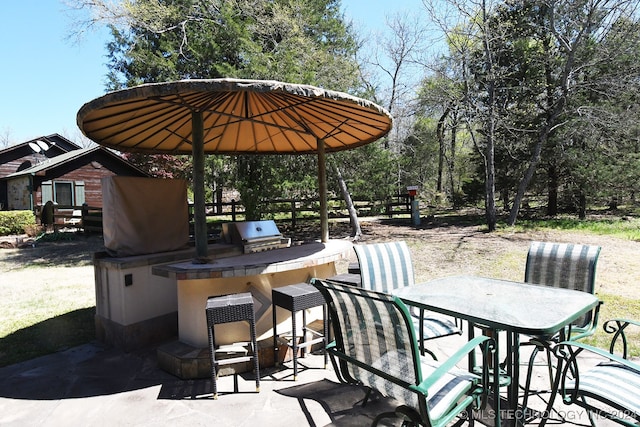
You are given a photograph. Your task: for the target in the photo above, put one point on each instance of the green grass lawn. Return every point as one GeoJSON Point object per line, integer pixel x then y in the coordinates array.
{"type": "Point", "coordinates": [622, 227]}
{"type": "Point", "coordinates": [44, 310]}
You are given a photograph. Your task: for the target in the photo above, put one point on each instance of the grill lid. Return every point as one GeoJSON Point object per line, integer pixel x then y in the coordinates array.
{"type": "Point", "coordinates": [239, 233]}
{"type": "Point", "coordinates": [257, 230]}
{"type": "Point", "coordinates": [254, 236]}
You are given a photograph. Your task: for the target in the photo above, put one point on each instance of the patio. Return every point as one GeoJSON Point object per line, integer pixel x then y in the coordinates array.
{"type": "Point", "coordinates": [94, 385]}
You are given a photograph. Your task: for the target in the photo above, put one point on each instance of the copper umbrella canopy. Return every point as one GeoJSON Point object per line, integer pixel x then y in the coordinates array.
{"type": "Point", "coordinates": [232, 116]}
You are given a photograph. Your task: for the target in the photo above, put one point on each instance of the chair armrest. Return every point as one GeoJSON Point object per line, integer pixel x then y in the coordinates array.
{"type": "Point", "coordinates": [452, 361]}
{"type": "Point", "coordinates": [617, 327]}
{"type": "Point", "coordinates": [627, 321]}
{"type": "Point", "coordinates": [600, 352]}
{"type": "Point", "coordinates": [578, 333]}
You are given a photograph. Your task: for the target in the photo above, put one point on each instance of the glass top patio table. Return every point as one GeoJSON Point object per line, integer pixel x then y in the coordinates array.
{"type": "Point", "coordinates": [501, 304]}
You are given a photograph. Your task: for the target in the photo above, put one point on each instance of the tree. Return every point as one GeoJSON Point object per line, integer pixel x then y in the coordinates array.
{"type": "Point", "coordinates": [390, 66]}
{"type": "Point", "coordinates": [471, 39]}
{"type": "Point", "coordinates": [530, 70]}
{"type": "Point", "coordinates": [421, 158]}
{"type": "Point", "coordinates": [600, 143]}
{"type": "Point", "coordinates": [298, 41]}
{"type": "Point", "coordinates": [5, 137]}
{"type": "Point", "coordinates": [395, 55]}
{"type": "Point", "coordinates": [441, 97]}
{"type": "Point", "coordinates": [569, 36]}
{"type": "Point", "coordinates": [161, 165]}
{"type": "Point", "coordinates": [353, 215]}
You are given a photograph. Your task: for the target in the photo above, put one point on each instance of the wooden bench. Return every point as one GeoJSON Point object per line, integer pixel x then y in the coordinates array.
{"type": "Point", "coordinates": [375, 346]}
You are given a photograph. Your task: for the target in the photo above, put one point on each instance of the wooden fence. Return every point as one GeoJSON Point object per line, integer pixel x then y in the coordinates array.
{"type": "Point", "coordinates": [89, 218]}
{"type": "Point", "coordinates": [82, 217]}
{"type": "Point", "coordinates": [296, 209]}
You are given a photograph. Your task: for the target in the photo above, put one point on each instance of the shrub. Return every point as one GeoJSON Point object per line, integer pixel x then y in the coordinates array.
{"type": "Point", "coordinates": [15, 222]}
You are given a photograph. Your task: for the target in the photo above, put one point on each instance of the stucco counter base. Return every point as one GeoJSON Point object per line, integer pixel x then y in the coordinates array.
{"type": "Point", "coordinates": [257, 273]}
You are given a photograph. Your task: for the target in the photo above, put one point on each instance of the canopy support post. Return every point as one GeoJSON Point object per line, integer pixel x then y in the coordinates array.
{"type": "Point", "coordinates": [322, 180]}
{"type": "Point", "coordinates": [199, 212]}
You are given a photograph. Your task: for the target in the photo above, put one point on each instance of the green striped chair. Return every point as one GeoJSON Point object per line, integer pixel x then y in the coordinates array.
{"type": "Point", "coordinates": [611, 389]}
{"type": "Point", "coordinates": [388, 266]}
{"type": "Point", "coordinates": [376, 347]}
{"type": "Point", "coordinates": [561, 265]}
{"type": "Point", "coordinates": [569, 266]}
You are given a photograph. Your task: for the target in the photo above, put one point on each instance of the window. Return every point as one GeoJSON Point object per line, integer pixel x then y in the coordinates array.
{"type": "Point", "coordinates": [64, 193]}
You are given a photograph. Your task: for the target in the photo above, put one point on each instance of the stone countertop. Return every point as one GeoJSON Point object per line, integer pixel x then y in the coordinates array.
{"type": "Point", "coordinates": [216, 250]}
{"type": "Point", "coordinates": [271, 261]}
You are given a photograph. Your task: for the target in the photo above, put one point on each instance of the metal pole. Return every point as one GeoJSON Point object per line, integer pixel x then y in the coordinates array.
{"type": "Point", "coordinates": [199, 213]}
{"type": "Point", "coordinates": [322, 183]}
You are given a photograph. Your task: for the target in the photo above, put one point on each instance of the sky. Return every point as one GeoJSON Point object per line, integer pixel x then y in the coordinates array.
{"type": "Point", "coordinates": [45, 77]}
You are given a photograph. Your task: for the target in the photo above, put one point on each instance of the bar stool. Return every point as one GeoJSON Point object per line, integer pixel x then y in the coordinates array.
{"type": "Point", "coordinates": [226, 309]}
{"type": "Point", "coordinates": [351, 277]}
{"type": "Point", "coordinates": [294, 298]}
{"type": "Point", "coordinates": [354, 268]}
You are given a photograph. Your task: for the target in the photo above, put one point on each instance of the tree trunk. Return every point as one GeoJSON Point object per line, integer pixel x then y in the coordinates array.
{"type": "Point", "coordinates": [504, 194]}
{"type": "Point", "coordinates": [552, 198]}
{"type": "Point", "coordinates": [488, 157]}
{"type": "Point", "coordinates": [490, 167]}
{"type": "Point", "coordinates": [218, 197]}
{"type": "Point", "coordinates": [526, 179]}
{"type": "Point", "coordinates": [452, 160]}
{"type": "Point", "coordinates": [555, 105]}
{"type": "Point", "coordinates": [441, 145]}
{"type": "Point", "coordinates": [356, 232]}
{"type": "Point", "coordinates": [490, 184]}
{"type": "Point", "coordinates": [582, 208]}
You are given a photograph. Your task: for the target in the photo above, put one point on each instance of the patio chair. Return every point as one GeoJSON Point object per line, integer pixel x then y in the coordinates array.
{"type": "Point", "coordinates": [376, 347]}
{"type": "Point", "coordinates": [561, 265]}
{"type": "Point", "coordinates": [609, 389]}
{"type": "Point", "coordinates": [387, 266]}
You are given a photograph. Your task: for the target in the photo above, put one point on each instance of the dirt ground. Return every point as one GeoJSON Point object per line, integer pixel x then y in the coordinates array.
{"type": "Point", "coordinates": [438, 249]}
{"type": "Point", "coordinates": [449, 250]}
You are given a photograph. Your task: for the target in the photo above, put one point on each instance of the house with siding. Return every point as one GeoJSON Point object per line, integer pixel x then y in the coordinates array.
{"type": "Point", "coordinates": [55, 169]}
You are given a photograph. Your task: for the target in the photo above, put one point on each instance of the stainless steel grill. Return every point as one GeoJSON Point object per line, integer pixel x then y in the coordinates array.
{"type": "Point", "coordinates": [254, 236]}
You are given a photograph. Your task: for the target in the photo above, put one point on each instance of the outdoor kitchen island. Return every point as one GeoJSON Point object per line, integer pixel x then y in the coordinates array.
{"type": "Point", "coordinates": [257, 273]}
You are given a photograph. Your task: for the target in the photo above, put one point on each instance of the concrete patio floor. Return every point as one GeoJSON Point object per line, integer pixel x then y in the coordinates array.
{"type": "Point", "coordinates": [91, 385]}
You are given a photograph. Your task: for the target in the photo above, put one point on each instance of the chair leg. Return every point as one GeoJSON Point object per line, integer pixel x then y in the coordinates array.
{"type": "Point", "coordinates": [527, 383]}
{"type": "Point", "coordinates": [366, 396]}
{"type": "Point", "coordinates": [256, 358]}
{"type": "Point", "coordinates": [426, 350]}
{"type": "Point", "coordinates": [549, 367]}
{"type": "Point", "coordinates": [527, 386]}
{"type": "Point", "coordinates": [589, 414]}
{"type": "Point", "coordinates": [214, 373]}
{"type": "Point", "coordinates": [336, 369]}
{"type": "Point", "coordinates": [304, 332]}
{"type": "Point", "coordinates": [275, 335]}
{"type": "Point", "coordinates": [423, 349]}
{"type": "Point", "coordinates": [294, 346]}
{"type": "Point", "coordinates": [325, 334]}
